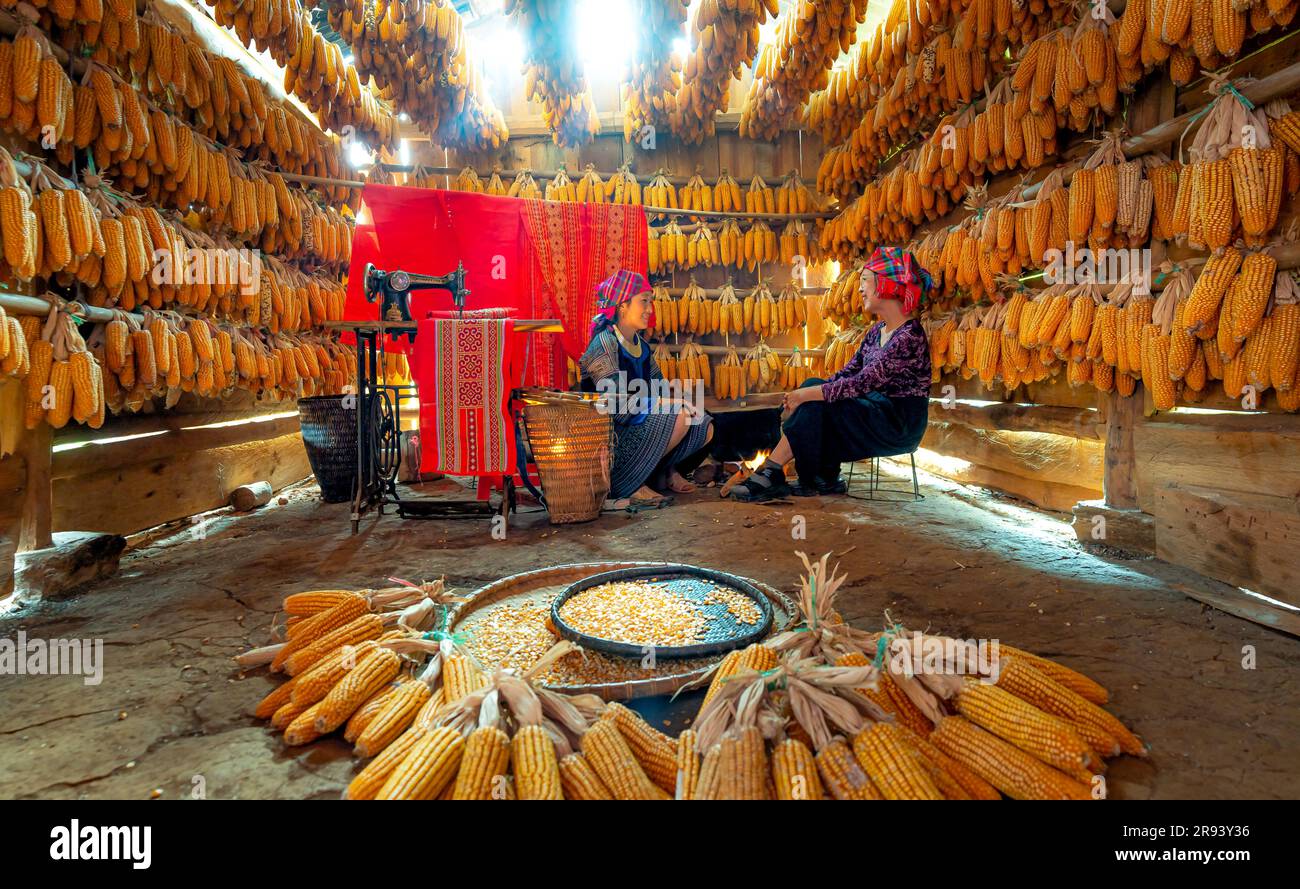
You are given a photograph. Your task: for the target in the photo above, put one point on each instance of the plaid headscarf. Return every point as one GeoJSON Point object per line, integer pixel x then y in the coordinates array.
{"type": "Point", "coordinates": [611, 293]}
{"type": "Point", "coordinates": [899, 276]}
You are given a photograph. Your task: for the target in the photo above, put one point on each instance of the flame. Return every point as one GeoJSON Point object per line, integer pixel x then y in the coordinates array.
{"type": "Point", "coordinates": [753, 464]}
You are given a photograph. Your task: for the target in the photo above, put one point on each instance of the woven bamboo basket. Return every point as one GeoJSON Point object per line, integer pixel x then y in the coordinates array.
{"type": "Point", "coordinates": [570, 441]}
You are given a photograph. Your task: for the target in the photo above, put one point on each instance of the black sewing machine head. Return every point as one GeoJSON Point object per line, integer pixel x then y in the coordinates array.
{"type": "Point", "coordinates": [396, 286]}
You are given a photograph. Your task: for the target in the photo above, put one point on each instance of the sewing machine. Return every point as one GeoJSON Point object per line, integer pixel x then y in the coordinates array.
{"type": "Point", "coordinates": [379, 420]}
{"type": "Point", "coordinates": [393, 289]}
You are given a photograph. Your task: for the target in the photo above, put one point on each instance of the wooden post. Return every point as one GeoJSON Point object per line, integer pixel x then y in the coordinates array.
{"type": "Point", "coordinates": [38, 500]}
{"type": "Point", "coordinates": [1123, 414]}
{"type": "Point", "coordinates": [1119, 483]}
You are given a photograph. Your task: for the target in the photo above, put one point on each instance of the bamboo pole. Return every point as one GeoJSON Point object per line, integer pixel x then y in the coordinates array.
{"type": "Point", "coordinates": [714, 293]}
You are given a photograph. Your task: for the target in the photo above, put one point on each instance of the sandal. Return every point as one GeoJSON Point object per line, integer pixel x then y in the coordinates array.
{"type": "Point", "coordinates": [761, 486]}
{"type": "Point", "coordinates": [820, 487]}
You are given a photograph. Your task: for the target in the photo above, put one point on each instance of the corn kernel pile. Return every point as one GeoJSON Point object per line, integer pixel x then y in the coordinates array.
{"type": "Point", "coordinates": [513, 634]}
{"type": "Point", "coordinates": [638, 613]}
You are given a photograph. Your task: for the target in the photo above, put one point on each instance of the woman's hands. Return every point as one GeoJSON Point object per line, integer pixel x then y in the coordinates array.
{"type": "Point", "coordinates": [793, 399]}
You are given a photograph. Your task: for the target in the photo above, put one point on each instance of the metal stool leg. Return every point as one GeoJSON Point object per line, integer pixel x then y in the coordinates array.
{"type": "Point", "coordinates": [916, 485]}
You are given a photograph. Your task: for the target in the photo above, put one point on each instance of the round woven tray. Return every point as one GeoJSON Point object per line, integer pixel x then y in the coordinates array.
{"type": "Point", "coordinates": [669, 676]}
{"type": "Point", "coordinates": [689, 583]}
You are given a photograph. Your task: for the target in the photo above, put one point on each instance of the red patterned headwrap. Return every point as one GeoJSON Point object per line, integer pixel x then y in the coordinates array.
{"type": "Point", "coordinates": [611, 293]}
{"type": "Point", "coordinates": [899, 276]}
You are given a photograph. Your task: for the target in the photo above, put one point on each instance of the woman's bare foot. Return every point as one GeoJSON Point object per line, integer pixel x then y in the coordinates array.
{"type": "Point", "coordinates": [677, 484]}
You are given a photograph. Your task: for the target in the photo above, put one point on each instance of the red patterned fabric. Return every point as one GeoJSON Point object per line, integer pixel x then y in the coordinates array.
{"type": "Point", "coordinates": [465, 370]}
{"type": "Point", "coordinates": [577, 246]}
{"type": "Point", "coordinates": [429, 231]}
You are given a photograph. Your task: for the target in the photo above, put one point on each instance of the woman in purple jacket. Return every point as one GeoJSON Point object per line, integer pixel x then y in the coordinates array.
{"type": "Point", "coordinates": [877, 406]}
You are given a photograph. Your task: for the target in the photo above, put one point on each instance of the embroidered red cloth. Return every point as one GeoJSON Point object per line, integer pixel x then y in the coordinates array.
{"type": "Point", "coordinates": [465, 370]}
{"type": "Point", "coordinates": [577, 246]}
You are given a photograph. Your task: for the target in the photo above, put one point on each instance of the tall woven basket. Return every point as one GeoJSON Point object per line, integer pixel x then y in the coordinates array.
{"type": "Point", "coordinates": [571, 444]}
{"type": "Point", "coordinates": [329, 433]}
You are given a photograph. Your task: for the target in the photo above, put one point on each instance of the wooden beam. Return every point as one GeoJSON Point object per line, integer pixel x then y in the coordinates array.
{"type": "Point", "coordinates": [118, 455]}
{"type": "Point", "coordinates": [1071, 422]}
{"type": "Point", "coordinates": [38, 497]}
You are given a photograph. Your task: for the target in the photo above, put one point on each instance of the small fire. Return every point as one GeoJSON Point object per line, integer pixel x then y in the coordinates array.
{"type": "Point", "coordinates": [758, 460]}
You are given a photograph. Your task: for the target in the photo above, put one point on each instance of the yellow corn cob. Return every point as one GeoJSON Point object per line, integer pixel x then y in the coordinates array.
{"type": "Point", "coordinates": [363, 629]}
{"type": "Point", "coordinates": [372, 672]}
{"type": "Point", "coordinates": [842, 775]}
{"type": "Point", "coordinates": [654, 750]}
{"type": "Point", "coordinates": [367, 712]}
{"type": "Point", "coordinates": [535, 767]}
{"type": "Point", "coordinates": [612, 759]}
{"type": "Point", "coordinates": [1020, 723]}
{"type": "Point", "coordinates": [61, 386]}
{"type": "Point", "coordinates": [428, 768]}
{"type": "Point", "coordinates": [688, 765]}
{"type": "Point", "coordinates": [397, 715]}
{"type": "Point", "coordinates": [303, 728]}
{"type": "Point", "coordinates": [1208, 291]}
{"type": "Point", "coordinates": [742, 769]}
{"type": "Point", "coordinates": [315, 601]}
{"type": "Point", "coordinates": [971, 785]}
{"type": "Point", "coordinates": [892, 763]}
{"type": "Point", "coordinates": [1071, 679]}
{"type": "Point", "coordinates": [794, 772]}
{"type": "Point", "coordinates": [372, 778]}
{"type": "Point", "coordinates": [1010, 770]}
{"type": "Point", "coordinates": [460, 677]}
{"type": "Point", "coordinates": [580, 781]}
{"type": "Point", "coordinates": [1109, 735]}
{"type": "Point", "coordinates": [1251, 291]}
{"type": "Point", "coordinates": [1282, 362]}
{"type": "Point", "coordinates": [484, 766]}
{"type": "Point", "coordinates": [275, 699]}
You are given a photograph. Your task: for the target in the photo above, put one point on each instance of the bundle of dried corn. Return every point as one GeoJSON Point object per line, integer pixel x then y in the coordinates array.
{"type": "Point", "coordinates": [419, 58]}
{"type": "Point", "coordinates": [762, 369]}
{"type": "Point", "coordinates": [466, 180]}
{"type": "Point", "coordinates": [1232, 152]}
{"type": "Point", "coordinates": [650, 92]}
{"type": "Point", "coordinates": [506, 738]}
{"type": "Point", "coordinates": [729, 377]}
{"type": "Point", "coordinates": [725, 36]}
{"type": "Point", "coordinates": [808, 38]}
{"type": "Point", "coordinates": [361, 661]}
{"type": "Point", "coordinates": [553, 74]}
{"type": "Point", "coordinates": [843, 301]}
{"type": "Point", "coordinates": [315, 69]}
{"type": "Point", "coordinates": [63, 380]}
{"type": "Point", "coordinates": [842, 347]}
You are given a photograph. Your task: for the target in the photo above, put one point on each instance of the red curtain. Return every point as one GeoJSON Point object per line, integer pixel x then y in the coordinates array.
{"type": "Point", "coordinates": [429, 231]}
{"type": "Point", "coordinates": [541, 258]}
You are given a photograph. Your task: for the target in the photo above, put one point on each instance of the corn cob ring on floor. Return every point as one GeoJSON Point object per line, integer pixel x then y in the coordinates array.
{"type": "Point", "coordinates": [180, 608]}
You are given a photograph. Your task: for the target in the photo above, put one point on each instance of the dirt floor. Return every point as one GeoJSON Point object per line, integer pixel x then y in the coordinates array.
{"type": "Point", "coordinates": [171, 716]}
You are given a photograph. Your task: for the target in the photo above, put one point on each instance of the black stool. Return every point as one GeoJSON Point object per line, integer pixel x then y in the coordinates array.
{"type": "Point", "coordinates": [892, 490]}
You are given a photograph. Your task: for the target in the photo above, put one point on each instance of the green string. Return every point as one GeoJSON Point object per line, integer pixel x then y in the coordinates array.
{"type": "Point", "coordinates": [1250, 106]}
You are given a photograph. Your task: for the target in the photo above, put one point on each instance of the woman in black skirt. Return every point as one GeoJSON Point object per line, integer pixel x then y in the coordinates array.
{"type": "Point", "coordinates": [877, 406]}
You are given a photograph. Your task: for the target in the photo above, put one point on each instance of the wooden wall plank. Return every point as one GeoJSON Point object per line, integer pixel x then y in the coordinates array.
{"type": "Point", "coordinates": [132, 497]}
{"type": "Point", "coordinates": [1242, 455]}
{"type": "Point", "coordinates": [1248, 541]}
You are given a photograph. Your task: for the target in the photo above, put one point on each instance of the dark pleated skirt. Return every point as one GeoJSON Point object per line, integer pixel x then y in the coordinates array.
{"type": "Point", "coordinates": [639, 448]}
{"type": "Point", "coordinates": [825, 434]}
